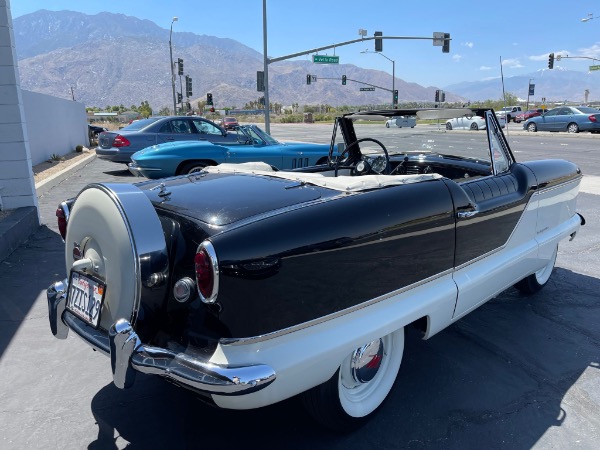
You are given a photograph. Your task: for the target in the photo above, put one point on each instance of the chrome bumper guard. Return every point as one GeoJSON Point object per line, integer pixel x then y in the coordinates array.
{"type": "Point", "coordinates": [129, 355]}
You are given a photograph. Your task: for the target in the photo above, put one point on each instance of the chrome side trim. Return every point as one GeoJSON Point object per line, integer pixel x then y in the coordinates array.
{"type": "Point", "coordinates": [292, 329]}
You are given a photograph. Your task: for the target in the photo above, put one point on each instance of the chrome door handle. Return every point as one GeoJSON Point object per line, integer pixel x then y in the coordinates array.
{"type": "Point", "coordinates": [466, 214]}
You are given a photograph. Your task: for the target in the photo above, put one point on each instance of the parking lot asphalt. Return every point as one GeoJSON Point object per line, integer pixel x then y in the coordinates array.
{"type": "Point", "coordinates": [517, 373]}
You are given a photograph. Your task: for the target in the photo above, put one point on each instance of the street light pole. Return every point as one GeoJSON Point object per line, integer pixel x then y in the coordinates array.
{"type": "Point", "coordinates": [266, 69]}
{"type": "Point", "coordinates": [171, 64]}
{"type": "Point", "coordinates": [393, 75]}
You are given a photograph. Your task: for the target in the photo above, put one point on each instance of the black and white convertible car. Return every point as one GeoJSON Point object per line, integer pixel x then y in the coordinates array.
{"type": "Point", "coordinates": [249, 285]}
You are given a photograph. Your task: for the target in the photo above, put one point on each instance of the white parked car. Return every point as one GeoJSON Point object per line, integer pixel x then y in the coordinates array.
{"type": "Point", "coordinates": [402, 121]}
{"type": "Point", "coordinates": [466, 123]}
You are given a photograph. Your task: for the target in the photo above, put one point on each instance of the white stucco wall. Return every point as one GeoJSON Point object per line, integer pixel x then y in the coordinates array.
{"type": "Point", "coordinates": [54, 125]}
{"type": "Point", "coordinates": [17, 188]}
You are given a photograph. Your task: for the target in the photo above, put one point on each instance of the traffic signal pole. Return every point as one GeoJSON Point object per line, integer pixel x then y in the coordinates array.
{"type": "Point", "coordinates": [445, 40]}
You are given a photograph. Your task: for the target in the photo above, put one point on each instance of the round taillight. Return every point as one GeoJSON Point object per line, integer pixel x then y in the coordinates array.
{"type": "Point", "coordinates": [207, 272]}
{"type": "Point", "coordinates": [62, 222]}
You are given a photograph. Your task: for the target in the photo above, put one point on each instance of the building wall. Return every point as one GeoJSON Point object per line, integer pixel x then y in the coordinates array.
{"type": "Point", "coordinates": [55, 125]}
{"type": "Point", "coordinates": [17, 188]}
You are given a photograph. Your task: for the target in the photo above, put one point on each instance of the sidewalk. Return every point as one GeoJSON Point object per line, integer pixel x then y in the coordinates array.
{"type": "Point", "coordinates": [17, 225]}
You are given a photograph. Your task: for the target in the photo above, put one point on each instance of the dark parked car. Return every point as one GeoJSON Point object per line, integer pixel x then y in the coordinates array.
{"type": "Point", "coordinates": [94, 130]}
{"type": "Point", "coordinates": [572, 119]}
{"type": "Point", "coordinates": [250, 285]}
{"type": "Point", "coordinates": [118, 146]}
{"type": "Point", "coordinates": [253, 144]}
{"type": "Point", "coordinates": [229, 123]}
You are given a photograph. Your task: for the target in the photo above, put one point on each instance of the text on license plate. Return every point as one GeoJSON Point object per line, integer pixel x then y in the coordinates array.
{"type": "Point", "coordinates": [85, 297]}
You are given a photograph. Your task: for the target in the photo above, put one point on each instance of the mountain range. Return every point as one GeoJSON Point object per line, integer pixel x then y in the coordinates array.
{"type": "Point", "coordinates": [113, 59]}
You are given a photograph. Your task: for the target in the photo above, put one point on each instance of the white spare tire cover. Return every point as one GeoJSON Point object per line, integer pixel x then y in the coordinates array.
{"type": "Point", "coordinates": [116, 226]}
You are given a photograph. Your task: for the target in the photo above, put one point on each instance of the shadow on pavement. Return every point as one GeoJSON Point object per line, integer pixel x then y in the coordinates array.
{"type": "Point", "coordinates": [25, 273]}
{"type": "Point", "coordinates": [498, 376]}
{"type": "Point", "coordinates": [120, 173]}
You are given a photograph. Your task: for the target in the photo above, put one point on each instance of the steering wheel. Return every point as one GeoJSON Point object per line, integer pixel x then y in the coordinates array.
{"type": "Point", "coordinates": [355, 143]}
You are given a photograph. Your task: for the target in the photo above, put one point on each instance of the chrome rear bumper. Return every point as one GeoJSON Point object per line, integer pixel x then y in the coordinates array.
{"type": "Point", "coordinates": [129, 355]}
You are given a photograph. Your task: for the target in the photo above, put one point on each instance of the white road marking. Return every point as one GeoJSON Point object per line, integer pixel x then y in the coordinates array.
{"type": "Point", "coordinates": [590, 185]}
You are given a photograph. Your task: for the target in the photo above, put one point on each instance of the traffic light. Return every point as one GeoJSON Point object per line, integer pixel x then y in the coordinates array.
{"type": "Point", "coordinates": [443, 96]}
{"type": "Point", "coordinates": [188, 86]}
{"type": "Point", "coordinates": [378, 42]}
{"type": "Point", "coordinates": [179, 66]}
{"type": "Point", "coordinates": [209, 100]}
{"type": "Point", "coordinates": [308, 77]}
{"type": "Point", "coordinates": [437, 95]}
{"type": "Point", "coordinates": [212, 109]}
{"type": "Point", "coordinates": [446, 46]}
{"type": "Point", "coordinates": [179, 97]}
{"type": "Point", "coordinates": [344, 80]}
{"type": "Point", "coordinates": [261, 100]}
{"type": "Point", "coordinates": [395, 96]}
{"type": "Point", "coordinates": [551, 61]}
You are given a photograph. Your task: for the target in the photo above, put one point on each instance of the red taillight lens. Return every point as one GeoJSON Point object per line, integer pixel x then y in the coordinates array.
{"type": "Point", "coordinates": [593, 118]}
{"type": "Point", "coordinates": [121, 141]}
{"type": "Point", "coordinates": [62, 222]}
{"type": "Point", "coordinates": [206, 267]}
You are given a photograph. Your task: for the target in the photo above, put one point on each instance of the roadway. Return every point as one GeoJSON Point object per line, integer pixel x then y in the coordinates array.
{"type": "Point", "coordinates": [518, 373]}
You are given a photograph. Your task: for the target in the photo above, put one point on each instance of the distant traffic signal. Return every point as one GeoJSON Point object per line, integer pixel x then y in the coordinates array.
{"type": "Point", "coordinates": [395, 95]}
{"type": "Point", "coordinates": [179, 97]}
{"type": "Point", "coordinates": [179, 66]}
{"type": "Point", "coordinates": [446, 46]}
{"type": "Point", "coordinates": [437, 95]}
{"type": "Point", "coordinates": [209, 100]}
{"type": "Point", "coordinates": [308, 77]}
{"type": "Point", "coordinates": [344, 80]}
{"type": "Point", "coordinates": [188, 86]}
{"type": "Point", "coordinates": [212, 109]}
{"type": "Point", "coordinates": [551, 61]}
{"type": "Point", "coordinates": [378, 41]}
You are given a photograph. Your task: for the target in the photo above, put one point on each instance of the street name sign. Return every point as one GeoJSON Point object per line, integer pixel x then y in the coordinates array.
{"type": "Point", "coordinates": [367, 89]}
{"type": "Point", "coordinates": [324, 59]}
{"type": "Point", "coordinates": [597, 67]}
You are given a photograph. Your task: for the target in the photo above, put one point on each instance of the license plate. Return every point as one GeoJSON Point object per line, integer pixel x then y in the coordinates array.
{"type": "Point", "coordinates": [85, 297]}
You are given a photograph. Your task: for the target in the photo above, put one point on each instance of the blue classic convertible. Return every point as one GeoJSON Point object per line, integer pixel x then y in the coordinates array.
{"type": "Point", "coordinates": [252, 144]}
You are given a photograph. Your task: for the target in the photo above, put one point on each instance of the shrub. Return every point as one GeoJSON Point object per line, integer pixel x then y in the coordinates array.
{"type": "Point", "coordinates": [79, 148]}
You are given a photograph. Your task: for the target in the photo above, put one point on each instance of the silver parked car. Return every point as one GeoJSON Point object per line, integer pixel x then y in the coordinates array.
{"type": "Point", "coordinates": [572, 119]}
{"type": "Point", "coordinates": [118, 146]}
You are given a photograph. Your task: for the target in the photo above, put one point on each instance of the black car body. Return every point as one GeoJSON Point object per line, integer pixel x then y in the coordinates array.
{"type": "Point", "coordinates": [249, 285]}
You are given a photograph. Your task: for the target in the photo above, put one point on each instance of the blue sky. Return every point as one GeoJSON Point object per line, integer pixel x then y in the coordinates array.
{"type": "Point", "coordinates": [522, 34]}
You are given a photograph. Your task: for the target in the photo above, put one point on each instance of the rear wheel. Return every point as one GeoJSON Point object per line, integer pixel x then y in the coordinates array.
{"type": "Point", "coordinates": [573, 128]}
{"type": "Point", "coordinates": [474, 126]}
{"type": "Point", "coordinates": [387, 124]}
{"type": "Point", "coordinates": [448, 126]}
{"type": "Point", "coordinates": [532, 127]}
{"type": "Point", "coordinates": [536, 281]}
{"type": "Point", "coordinates": [360, 385]}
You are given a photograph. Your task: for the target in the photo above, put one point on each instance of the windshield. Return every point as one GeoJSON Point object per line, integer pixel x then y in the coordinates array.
{"type": "Point", "coordinates": [256, 134]}
{"type": "Point", "coordinates": [455, 137]}
{"type": "Point", "coordinates": [139, 124]}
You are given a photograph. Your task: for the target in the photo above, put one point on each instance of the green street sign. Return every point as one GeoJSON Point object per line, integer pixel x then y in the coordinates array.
{"type": "Point", "coordinates": [594, 68]}
{"type": "Point", "coordinates": [367, 89]}
{"type": "Point", "coordinates": [323, 59]}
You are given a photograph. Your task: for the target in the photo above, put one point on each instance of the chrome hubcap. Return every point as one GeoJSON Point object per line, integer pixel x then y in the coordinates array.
{"type": "Point", "coordinates": [366, 361]}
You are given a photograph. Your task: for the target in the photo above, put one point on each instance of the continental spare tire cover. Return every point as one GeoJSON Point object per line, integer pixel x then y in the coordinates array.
{"type": "Point", "coordinates": [117, 228]}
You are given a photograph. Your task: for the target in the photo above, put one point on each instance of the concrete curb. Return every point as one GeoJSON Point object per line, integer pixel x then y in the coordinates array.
{"type": "Point", "coordinates": [45, 185]}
